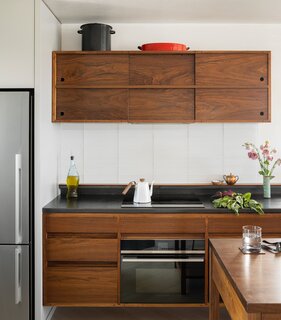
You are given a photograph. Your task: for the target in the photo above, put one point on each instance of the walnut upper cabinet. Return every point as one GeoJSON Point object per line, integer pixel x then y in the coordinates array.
{"type": "Point", "coordinates": [232, 69]}
{"type": "Point", "coordinates": [167, 69]}
{"type": "Point", "coordinates": [232, 87]}
{"type": "Point", "coordinates": [129, 86]}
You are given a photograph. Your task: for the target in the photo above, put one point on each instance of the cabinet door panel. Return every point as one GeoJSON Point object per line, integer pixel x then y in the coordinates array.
{"type": "Point", "coordinates": [167, 105]}
{"type": "Point", "coordinates": [87, 69]}
{"type": "Point", "coordinates": [161, 224]}
{"type": "Point", "coordinates": [76, 248]}
{"type": "Point", "coordinates": [232, 225]}
{"type": "Point", "coordinates": [78, 286]}
{"type": "Point", "coordinates": [92, 105]}
{"type": "Point", "coordinates": [231, 69]}
{"type": "Point", "coordinates": [81, 223]}
{"type": "Point", "coordinates": [162, 69]}
{"type": "Point", "coordinates": [231, 105]}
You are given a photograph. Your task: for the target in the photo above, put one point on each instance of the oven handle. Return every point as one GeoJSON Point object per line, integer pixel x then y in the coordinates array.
{"type": "Point", "coordinates": [163, 260]}
{"type": "Point", "coordinates": [195, 252]}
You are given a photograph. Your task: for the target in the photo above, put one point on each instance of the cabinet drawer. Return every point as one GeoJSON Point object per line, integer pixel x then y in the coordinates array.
{"type": "Point", "coordinates": [162, 70]}
{"type": "Point", "coordinates": [232, 69]}
{"type": "Point", "coordinates": [81, 223]}
{"type": "Point", "coordinates": [162, 224]}
{"type": "Point", "coordinates": [80, 286]}
{"type": "Point", "coordinates": [231, 105]}
{"type": "Point", "coordinates": [91, 69]}
{"type": "Point", "coordinates": [161, 105]}
{"type": "Point", "coordinates": [92, 104]}
{"type": "Point", "coordinates": [81, 249]}
{"type": "Point", "coordinates": [225, 225]}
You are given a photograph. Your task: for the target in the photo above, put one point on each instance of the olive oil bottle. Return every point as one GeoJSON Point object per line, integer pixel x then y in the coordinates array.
{"type": "Point", "coordinates": [72, 180]}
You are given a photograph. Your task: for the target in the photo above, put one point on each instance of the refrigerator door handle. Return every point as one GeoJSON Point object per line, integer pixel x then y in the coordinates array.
{"type": "Point", "coordinates": [18, 198]}
{"type": "Point", "coordinates": [17, 275]}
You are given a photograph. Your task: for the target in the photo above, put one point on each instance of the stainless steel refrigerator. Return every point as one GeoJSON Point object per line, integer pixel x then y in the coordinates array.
{"type": "Point", "coordinates": [16, 204]}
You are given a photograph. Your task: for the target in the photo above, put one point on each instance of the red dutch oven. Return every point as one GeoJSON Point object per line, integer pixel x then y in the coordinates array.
{"type": "Point", "coordinates": [163, 46]}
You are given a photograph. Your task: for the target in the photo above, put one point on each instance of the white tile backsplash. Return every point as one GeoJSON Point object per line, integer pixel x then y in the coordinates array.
{"type": "Point", "coordinates": [135, 152]}
{"type": "Point", "coordinates": [170, 153]}
{"type": "Point", "coordinates": [235, 156]}
{"type": "Point", "coordinates": [205, 152]}
{"type": "Point", "coordinates": [166, 153]}
{"type": "Point", "coordinates": [101, 153]}
{"type": "Point", "coordinates": [71, 143]}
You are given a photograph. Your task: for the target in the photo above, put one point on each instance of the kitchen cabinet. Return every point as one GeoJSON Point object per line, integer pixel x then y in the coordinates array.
{"type": "Point", "coordinates": [80, 260]}
{"type": "Point", "coordinates": [228, 105]}
{"type": "Point", "coordinates": [82, 250]}
{"type": "Point", "coordinates": [179, 87]}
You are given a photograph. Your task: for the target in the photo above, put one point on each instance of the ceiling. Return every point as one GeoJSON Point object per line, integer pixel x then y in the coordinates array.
{"type": "Point", "coordinates": [166, 11]}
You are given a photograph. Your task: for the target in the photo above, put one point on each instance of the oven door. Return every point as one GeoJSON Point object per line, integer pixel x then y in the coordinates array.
{"type": "Point", "coordinates": [162, 278]}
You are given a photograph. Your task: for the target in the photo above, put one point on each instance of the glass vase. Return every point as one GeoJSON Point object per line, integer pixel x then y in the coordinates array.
{"type": "Point", "coordinates": [266, 187]}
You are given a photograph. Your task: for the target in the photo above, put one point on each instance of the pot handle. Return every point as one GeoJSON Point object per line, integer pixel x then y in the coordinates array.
{"type": "Point", "coordinates": [112, 32]}
{"type": "Point", "coordinates": [140, 47]}
{"type": "Point", "coordinates": [132, 183]}
{"type": "Point", "coordinates": [80, 31]}
{"type": "Point", "coordinates": [187, 48]}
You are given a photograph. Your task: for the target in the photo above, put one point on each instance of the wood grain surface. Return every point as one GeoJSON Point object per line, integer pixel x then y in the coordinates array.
{"type": "Point", "coordinates": [81, 223]}
{"type": "Point", "coordinates": [167, 70]}
{"type": "Point", "coordinates": [92, 69]}
{"type": "Point", "coordinates": [254, 277]}
{"type": "Point", "coordinates": [231, 105]}
{"type": "Point", "coordinates": [234, 69]}
{"type": "Point", "coordinates": [63, 248]}
{"type": "Point", "coordinates": [228, 86]}
{"type": "Point", "coordinates": [170, 105]}
{"type": "Point", "coordinates": [92, 104]}
{"type": "Point", "coordinates": [65, 286]}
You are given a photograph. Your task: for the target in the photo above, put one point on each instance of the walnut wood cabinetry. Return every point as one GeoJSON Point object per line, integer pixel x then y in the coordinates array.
{"type": "Point", "coordinates": [128, 86]}
{"type": "Point", "coordinates": [81, 251]}
{"type": "Point", "coordinates": [80, 260]}
{"type": "Point", "coordinates": [239, 87]}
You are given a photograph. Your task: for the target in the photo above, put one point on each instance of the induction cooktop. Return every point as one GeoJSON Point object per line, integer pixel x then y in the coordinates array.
{"type": "Point", "coordinates": [166, 201]}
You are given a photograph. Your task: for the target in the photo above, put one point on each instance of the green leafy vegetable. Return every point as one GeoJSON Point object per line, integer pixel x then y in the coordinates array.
{"type": "Point", "coordinates": [236, 201]}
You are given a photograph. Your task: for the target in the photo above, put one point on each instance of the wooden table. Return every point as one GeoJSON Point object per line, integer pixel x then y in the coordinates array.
{"type": "Point", "coordinates": [249, 284]}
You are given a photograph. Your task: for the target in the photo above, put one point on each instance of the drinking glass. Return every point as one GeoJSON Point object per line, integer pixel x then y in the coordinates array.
{"type": "Point", "coordinates": [251, 238]}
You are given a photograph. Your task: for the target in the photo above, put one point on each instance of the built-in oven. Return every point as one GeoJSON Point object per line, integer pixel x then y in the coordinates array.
{"type": "Point", "coordinates": [162, 271]}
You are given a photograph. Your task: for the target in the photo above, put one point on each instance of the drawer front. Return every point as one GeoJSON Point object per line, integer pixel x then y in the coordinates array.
{"type": "Point", "coordinates": [161, 105]}
{"type": "Point", "coordinates": [231, 105]}
{"type": "Point", "coordinates": [162, 70]}
{"type": "Point", "coordinates": [80, 286]}
{"type": "Point", "coordinates": [81, 223]}
{"type": "Point", "coordinates": [225, 225]}
{"type": "Point", "coordinates": [162, 224]}
{"type": "Point", "coordinates": [81, 249]}
{"type": "Point", "coordinates": [90, 70]}
{"type": "Point", "coordinates": [92, 104]}
{"type": "Point", "coordinates": [232, 69]}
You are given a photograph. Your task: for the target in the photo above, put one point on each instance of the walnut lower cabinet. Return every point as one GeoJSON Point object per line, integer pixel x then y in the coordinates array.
{"type": "Point", "coordinates": [82, 250]}
{"type": "Point", "coordinates": [165, 87]}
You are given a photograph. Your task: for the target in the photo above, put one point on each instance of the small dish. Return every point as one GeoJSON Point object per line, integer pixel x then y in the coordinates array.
{"type": "Point", "coordinates": [217, 182]}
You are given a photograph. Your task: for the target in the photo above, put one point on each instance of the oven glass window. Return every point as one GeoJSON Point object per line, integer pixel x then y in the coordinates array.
{"type": "Point", "coordinates": [162, 278]}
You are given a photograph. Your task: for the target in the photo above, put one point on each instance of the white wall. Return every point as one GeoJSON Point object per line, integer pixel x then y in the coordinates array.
{"type": "Point", "coordinates": [180, 153]}
{"type": "Point", "coordinates": [48, 35]}
{"type": "Point", "coordinates": [17, 44]}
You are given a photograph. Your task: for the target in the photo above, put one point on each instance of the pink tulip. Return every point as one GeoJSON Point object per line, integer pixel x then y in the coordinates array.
{"type": "Point", "coordinates": [269, 158]}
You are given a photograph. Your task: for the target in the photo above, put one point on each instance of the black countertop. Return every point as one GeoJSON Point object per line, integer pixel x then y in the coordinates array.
{"type": "Point", "coordinates": [108, 199]}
